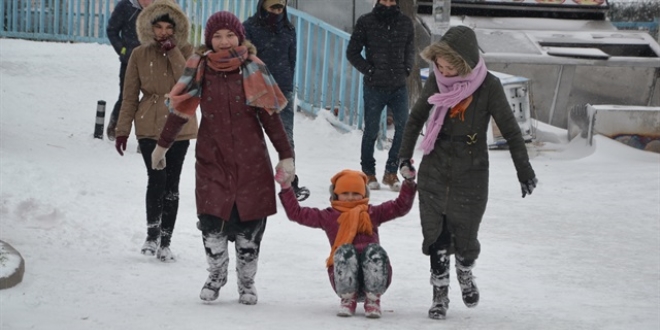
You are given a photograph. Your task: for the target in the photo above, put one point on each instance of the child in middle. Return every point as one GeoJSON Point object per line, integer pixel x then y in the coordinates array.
{"type": "Point", "coordinates": [358, 266]}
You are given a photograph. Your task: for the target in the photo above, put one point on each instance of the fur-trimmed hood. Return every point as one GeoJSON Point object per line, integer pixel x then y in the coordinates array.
{"type": "Point", "coordinates": [145, 31]}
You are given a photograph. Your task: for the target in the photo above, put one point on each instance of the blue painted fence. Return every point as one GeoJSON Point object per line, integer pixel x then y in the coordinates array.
{"type": "Point", "coordinates": [324, 78]}
{"type": "Point", "coordinates": [651, 27]}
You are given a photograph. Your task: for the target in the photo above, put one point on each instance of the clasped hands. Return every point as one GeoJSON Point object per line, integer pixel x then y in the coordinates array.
{"type": "Point", "coordinates": [285, 172]}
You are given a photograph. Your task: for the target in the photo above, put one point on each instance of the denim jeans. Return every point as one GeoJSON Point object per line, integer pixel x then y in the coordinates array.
{"type": "Point", "coordinates": [375, 101]}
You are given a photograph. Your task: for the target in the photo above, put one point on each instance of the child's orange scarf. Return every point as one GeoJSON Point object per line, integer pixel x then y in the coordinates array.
{"type": "Point", "coordinates": [354, 219]}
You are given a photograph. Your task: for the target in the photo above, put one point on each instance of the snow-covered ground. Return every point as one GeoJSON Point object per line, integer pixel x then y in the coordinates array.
{"type": "Point", "coordinates": [583, 252]}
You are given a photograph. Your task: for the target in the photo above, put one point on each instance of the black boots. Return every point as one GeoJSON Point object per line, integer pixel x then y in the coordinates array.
{"type": "Point", "coordinates": [440, 282]}
{"type": "Point", "coordinates": [438, 310]}
{"type": "Point", "coordinates": [469, 289]}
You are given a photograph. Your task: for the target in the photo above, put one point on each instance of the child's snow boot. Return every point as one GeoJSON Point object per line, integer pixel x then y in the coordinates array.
{"type": "Point", "coordinates": [469, 290]}
{"type": "Point", "coordinates": [438, 310]}
{"type": "Point", "coordinates": [372, 306]}
{"type": "Point", "coordinates": [348, 304]}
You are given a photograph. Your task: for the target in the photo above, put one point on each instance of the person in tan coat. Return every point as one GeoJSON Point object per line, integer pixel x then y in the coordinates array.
{"type": "Point", "coordinates": [153, 69]}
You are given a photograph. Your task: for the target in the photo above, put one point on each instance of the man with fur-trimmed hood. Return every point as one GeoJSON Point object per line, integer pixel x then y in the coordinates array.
{"type": "Point", "coordinates": [153, 69]}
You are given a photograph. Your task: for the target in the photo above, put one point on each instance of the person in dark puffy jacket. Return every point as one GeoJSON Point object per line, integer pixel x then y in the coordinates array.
{"type": "Point", "coordinates": [274, 36]}
{"type": "Point", "coordinates": [458, 101]}
{"type": "Point", "coordinates": [387, 37]}
{"type": "Point", "coordinates": [123, 38]}
{"type": "Point", "coordinates": [358, 266]}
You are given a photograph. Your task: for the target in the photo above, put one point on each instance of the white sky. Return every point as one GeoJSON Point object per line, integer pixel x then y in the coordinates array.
{"type": "Point", "coordinates": [583, 252]}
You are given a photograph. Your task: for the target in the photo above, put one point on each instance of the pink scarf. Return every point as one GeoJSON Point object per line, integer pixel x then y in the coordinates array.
{"type": "Point", "coordinates": [453, 90]}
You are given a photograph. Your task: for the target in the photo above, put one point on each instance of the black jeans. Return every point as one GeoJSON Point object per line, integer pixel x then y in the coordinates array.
{"type": "Point", "coordinates": [162, 198]}
{"type": "Point", "coordinates": [122, 75]}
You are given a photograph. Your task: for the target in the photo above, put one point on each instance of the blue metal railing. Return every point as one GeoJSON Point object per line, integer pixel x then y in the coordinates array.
{"type": "Point", "coordinates": [324, 78]}
{"type": "Point", "coordinates": [651, 27]}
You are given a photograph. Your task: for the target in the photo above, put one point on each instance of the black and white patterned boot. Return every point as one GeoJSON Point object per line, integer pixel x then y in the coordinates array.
{"type": "Point", "coordinates": [215, 245]}
{"type": "Point", "coordinates": [440, 282]}
{"type": "Point", "coordinates": [469, 290]}
{"type": "Point", "coordinates": [438, 310]}
{"type": "Point", "coordinates": [247, 256]}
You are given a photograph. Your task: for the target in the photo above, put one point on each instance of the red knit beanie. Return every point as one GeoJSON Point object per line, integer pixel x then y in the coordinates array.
{"type": "Point", "coordinates": [223, 20]}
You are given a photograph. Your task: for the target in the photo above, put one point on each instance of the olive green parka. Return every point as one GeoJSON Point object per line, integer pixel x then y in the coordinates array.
{"type": "Point", "coordinates": [453, 177]}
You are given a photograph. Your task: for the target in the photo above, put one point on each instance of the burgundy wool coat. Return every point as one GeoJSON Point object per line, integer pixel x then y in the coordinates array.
{"type": "Point", "coordinates": [233, 165]}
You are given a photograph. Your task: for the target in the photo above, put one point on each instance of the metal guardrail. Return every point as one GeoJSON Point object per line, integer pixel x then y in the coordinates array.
{"type": "Point", "coordinates": [324, 78]}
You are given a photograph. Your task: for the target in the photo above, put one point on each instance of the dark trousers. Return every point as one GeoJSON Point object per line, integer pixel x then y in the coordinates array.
{"type": "Point", "coordinates": [287, 118]}
{"type": "Point", "coordinates": [439, 256]}
{"type": "Point", "coordinates": [375, 101]}
{"type": "Point", "coordinates": [122, 74]}
{"type": "Point", "coordinates": [162, 198]}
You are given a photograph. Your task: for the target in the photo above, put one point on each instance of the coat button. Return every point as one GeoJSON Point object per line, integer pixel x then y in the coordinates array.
{"type": "Point", "coordinates": [208, 98]}
{"type": "Point", "coordinates": [238, 98]}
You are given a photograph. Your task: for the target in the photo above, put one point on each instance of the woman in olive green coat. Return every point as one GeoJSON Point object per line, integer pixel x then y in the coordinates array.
{"type": "Point", "coordinates": [453, 174]}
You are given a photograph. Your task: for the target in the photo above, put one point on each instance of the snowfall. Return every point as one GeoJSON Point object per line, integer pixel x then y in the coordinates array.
{"type": "Point", "coordinates": [582, 252]}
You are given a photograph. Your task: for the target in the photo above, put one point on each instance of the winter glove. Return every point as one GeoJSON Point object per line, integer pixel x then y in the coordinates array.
{"type": "Point", "coordinates": [158, 158]}
{"type": "Point", "coordinates": [406, 169]}
{"type": "Point", "coordinates": [120, 144]}
{"type": "Point", "coordinates": [167, 44]}
{"type": "Point", "coordinates": [286, 171]}
{"type": "Point", "coordinates": [528, 186]}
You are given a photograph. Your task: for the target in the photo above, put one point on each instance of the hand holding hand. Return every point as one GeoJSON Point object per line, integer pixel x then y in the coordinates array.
{"type": "Point", "coordinates": [167, 44]}
{"type": "Point", "coordinates": [406, 169]}
{"type": "Point", "coordinates": [283, 178]}
{"type": "Point", "coordinates": [528, 186]}
{"type": "Point", "coordinates": [120, 144]}
{"type": "Point", "coordinates": [285, 171]}
{"type": "Point", "coordinates": [158, 158]}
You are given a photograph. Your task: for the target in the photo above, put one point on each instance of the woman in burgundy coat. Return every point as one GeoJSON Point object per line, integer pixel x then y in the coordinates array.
{"type": "Point", "coordinates": [234, 188]}
{"type": "Point", "coordinates": [358, 266]}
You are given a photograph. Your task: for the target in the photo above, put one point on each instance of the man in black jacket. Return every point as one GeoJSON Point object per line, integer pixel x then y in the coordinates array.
{"type": "Point", "coordinates": [388, 39]}
{"type": "Point", "coordinates": [123, 37]}
{"type": "Point", "coordinates": [274, 36]}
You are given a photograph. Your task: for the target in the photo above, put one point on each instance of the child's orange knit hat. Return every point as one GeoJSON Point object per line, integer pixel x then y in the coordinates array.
{"type": "Point", "coordinates": [349, 181]}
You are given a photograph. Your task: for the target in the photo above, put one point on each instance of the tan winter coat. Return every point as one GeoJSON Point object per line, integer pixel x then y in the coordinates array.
{"type": "Point", "coordinates": [153, 72]}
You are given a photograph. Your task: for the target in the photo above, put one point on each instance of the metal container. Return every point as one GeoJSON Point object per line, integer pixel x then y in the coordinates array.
{"type": "Point", "coordinates": [572, 55]}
